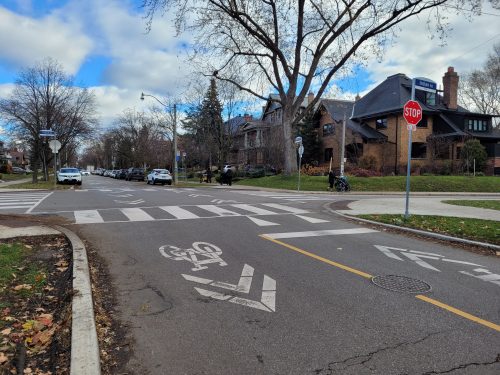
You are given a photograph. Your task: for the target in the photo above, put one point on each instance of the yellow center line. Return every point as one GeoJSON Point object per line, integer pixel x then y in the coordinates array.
{"type": "Point", "coordinates": [328, 261]}
{"type": "Point", "coordinates": [368, 276]}
{"type": "Point", "coordinates": [463, 314]}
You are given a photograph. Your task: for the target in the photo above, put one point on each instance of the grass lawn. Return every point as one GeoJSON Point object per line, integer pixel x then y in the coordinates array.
{"type": "Point", "coordinates": [471, 229]}
{"type": "Point", "coordinates": [483, 184]}
{"type": "Point", "coordinates": [45, 185]}
{"type": "Point", "coordinates": [491, 204]}
{"type": "Point", "coordinates": [13, 176]}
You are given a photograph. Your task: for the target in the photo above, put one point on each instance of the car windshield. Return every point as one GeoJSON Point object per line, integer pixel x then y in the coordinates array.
{"type": "Point", "coordinates": [162, 171]}
{"type": "Point", "coordinates": [69, 170]}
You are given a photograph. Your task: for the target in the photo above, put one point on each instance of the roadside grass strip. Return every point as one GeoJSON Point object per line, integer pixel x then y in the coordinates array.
{"type": "Point", "coordinates": [366, 275]}
{"type": "Point", "coordinates": [472, 229]}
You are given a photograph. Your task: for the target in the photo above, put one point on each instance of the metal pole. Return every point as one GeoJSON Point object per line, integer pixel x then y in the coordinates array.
{"type": "Point", "coordinates": [300, 163]}
{"type": "Point", "coordinates": [343, 147]}
{"type": "Point", "coordinates": [174, 136]}
{"type": "Point", "coordinates": [410, 131]}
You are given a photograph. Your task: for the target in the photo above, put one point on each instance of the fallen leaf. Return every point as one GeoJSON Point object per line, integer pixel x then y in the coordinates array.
{"type": "Point", "coordinates": [3, 358]}
{"type": "Point", "coordinates": [62, 269]}
{"type": "Point", "coordinates": [29, 325]}
{"type": "Point", "coordinates": [23, 287]}
{"type": "Point", "coordinates": [45, 319]}
{"type": "Point", "coordinates": [6, 331]}
{"type": "Point", "coordinates": [62, 263]}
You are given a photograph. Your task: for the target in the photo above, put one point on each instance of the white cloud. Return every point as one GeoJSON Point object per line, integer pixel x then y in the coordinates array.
{"type": "Point", "coordinates": [24, 40]}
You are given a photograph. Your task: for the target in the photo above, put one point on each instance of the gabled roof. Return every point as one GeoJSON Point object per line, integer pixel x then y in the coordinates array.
{"type": "Point", "coordinates": [390, 97]}
{"type": "Point", "coordinates": [338, 109]}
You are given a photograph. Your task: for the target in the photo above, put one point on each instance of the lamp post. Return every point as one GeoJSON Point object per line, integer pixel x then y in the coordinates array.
{"type": "Point", "coordinates": [174, 132]}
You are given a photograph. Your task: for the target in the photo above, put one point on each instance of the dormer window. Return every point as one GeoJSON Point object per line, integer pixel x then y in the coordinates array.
{"type": "Point", "coordinates": [477, 125]}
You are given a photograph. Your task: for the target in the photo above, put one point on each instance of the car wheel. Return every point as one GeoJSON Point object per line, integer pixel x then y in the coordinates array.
{"type": "Point", "coordinates": [147, 182]}
{"type": "Point", "coordinates": [79, 183]}
{"type": "Point", "coordinates": [162, 184]}
{"type": "Point", "coordinates": [169, 183]}
{"type": "Point", "coordinates": [154, 182]}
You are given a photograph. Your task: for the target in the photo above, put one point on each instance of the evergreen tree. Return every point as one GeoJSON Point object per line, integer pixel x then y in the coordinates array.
{"type": "Point", "coordinates": [473, 153]}
{"type": "Point", "coordinates": [310, 139]}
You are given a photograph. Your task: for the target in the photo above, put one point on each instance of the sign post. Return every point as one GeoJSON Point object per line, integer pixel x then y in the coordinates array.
{"type": "Point", "coordinates": [55, 146]}
{"type": "Point", "coordinates": [298, 142]}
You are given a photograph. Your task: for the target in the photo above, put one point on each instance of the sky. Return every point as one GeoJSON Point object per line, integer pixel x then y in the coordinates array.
{"type": "Point", "coordinates": [105, 46]}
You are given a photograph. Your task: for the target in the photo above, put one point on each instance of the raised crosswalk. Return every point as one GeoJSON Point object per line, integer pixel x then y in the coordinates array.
{"type": "Point", "coordinates": [24, 201]}
{"type": "Point", "coordinates": [192, 212]}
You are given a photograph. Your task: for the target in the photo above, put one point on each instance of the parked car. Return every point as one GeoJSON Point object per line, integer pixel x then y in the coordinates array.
{"type": "Point", "coordinates": [227, 167]}
{"type": "Point", "coordinates": [69, 175]}
{"type": "Point", "coordinates": [122, 174]}
{"type": "Point", "coordinates": [84, 172]}
{"type": "Point", "coordinates": [135, 174]}
{"type": "Point", "coordinates": [18, 170]}
{"type": "Point", "coordinates": [162, 176]}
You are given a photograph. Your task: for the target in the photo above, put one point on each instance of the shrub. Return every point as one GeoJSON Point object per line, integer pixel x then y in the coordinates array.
{"type": "Point", "coordinates": [5, 168]}
{"type": "Point", "coordinates": [311, 170]}
{"type": "Point", "coordinates": [360, 172]}
{"type": "Point", "coordinates": [368, 162]}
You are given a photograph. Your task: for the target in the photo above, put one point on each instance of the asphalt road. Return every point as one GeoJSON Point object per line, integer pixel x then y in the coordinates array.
{"type": "Point", "coordinates": [225, 281]}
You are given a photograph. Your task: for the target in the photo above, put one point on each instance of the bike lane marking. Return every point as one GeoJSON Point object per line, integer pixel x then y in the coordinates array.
{"type": "Point", "coordinates": [434, 302]}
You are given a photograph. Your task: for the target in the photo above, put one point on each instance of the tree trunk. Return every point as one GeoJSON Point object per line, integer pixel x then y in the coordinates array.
{"type": "Point", "coordinates": [290, 152]}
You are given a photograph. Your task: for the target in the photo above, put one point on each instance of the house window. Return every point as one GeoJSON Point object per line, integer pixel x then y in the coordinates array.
{"type": "Point", "coordinates": [422, 123]}
{"type": "Point", "coordinates": [430, 98]}
{"type": "Point", "coordinates": [328, 154]}
{"type": "Point", "coordinates": [381, 123]}
{"type": "Point", "coordinates": [328, 129]}
{"type": "Point", "coordinates": [476, 125]}
{"type": "Point", "coordinates": [418, 150]}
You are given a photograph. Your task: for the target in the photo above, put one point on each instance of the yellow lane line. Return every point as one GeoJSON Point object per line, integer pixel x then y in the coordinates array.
{"type": "Point", "coordinates": [328, 261]}
{"type": "Point", "coordinates": [434, 302]}
{"type": "Point", "coordinates": [463, 314]}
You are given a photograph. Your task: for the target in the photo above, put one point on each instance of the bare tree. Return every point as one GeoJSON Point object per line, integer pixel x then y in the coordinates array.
{"type": "Point", "coordinates": [44, 98]}
{"type": "Point", "coordinates": [289, 45]}
{"type": "Point", "coordinates": [480, 89]}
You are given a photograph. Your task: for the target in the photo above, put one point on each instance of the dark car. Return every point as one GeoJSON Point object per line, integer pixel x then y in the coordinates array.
{"type": "Point", "coordinates": [122, 174]}
{"type": "Point", "coordinates": [135, 174]}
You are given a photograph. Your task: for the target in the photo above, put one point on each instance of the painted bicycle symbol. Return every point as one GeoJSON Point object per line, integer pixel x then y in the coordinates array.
{"type": "Point", "coordinates": [199, 255]}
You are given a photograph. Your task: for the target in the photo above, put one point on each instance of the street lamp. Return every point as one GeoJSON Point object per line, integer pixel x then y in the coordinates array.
{"type": "Point", "coordinates": [174, 131]}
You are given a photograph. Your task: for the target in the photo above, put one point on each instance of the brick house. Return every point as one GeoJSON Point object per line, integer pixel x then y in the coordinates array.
{"type": "Point", "coordinates": [376, 129]}
{"type": "Point", "coordinates": [259, 141]}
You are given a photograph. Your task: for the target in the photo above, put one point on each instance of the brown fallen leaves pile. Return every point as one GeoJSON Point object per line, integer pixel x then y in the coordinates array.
{"type": "Point", "coordinates": [35, 315]}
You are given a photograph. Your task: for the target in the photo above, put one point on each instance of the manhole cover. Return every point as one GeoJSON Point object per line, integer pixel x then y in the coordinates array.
{"type": "Point", "coordinates": [401, 284]}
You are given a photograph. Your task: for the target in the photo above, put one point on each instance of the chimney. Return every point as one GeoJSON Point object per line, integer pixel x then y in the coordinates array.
{"type": "Point", "coordinates": [357, 97]}
{"type": "Point", "coordinates": [450, 88]}
{"type": "Point", "coordinates": [248, 117]}
{"type": "Point", "coordinates": [310, 97]}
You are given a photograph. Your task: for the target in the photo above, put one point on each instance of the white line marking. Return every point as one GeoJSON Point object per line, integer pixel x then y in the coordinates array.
{"type": "Point", "coordinates": [88, 217]}
{"type": "Point", "coordinates": [179, 213]}
{"type": "Point", "coordinates": [253, 209]}
{"type": "Point", "coordinates": [286, 208]}
{"type": "Point", "coordinates": [318, 233]}
{"type": "Point", "coordinates": [9, 207]}
{"type": "Point", "coordinates": [136, 214]}
{"type": "Point", "coordinates": [461, 262]}
{"type": "Point", "coordinates": [269, 293]}
{"type": "Point", "coordinates": [312, 220]}
{"type": "Point", "coordinates": [262, 223]}
{"type": "Point", "coordinates": [389, 253]}
{"type": "Point", "coordinates": [218, 210]}
{"type": "Point", "coordinates": [17, 201]}
{"type": "Point", "coordinates": [199, 280]}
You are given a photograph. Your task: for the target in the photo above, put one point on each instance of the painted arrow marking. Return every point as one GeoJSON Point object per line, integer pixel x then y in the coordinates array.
{"type": "Point", "coordinates": [138, 201]}
{"type": "Point", "coordinates": [268, 298]}
{"type": "Point", "coordinates": [417, 256]}
{"type": "Point", "coordinates": [198, 195]}
{"type": "Point", "coordinates": [221, 201]}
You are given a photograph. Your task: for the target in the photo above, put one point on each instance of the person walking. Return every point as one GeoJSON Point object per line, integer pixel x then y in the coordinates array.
{"type": "Point", "coordinates": [331, 179]}
{"type": "Point", "coordinates": [209, 175]}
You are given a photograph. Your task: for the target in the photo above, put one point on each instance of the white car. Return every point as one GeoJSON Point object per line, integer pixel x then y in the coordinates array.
{"type": "Point", "coordinates": [69, 175]}
{"type": "Point", "coordinates": [161, 176]}
{"type": "Point", "coordinates": [84, 173]}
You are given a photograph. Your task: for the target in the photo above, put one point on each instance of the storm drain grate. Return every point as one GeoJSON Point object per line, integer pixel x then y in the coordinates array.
{"type": "Point", "coordinates": [401, 284]}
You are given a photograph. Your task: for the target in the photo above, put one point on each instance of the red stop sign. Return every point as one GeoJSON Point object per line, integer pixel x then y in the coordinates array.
{"type": "Point", "coordinates": [412, 112]}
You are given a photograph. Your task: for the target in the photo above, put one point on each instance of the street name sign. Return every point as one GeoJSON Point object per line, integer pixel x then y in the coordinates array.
{"type": "Point", "coordinates": [425, 84]}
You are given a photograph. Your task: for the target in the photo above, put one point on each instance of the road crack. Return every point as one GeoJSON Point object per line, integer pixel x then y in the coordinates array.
{"type": "Point", "coordinates": [464, 366]}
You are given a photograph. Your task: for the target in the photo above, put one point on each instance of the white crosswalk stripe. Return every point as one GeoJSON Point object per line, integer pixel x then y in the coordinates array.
{"type": "Point", "coordinates": [21, 200]}
{"type": "Point", "coordinates": [191, 212]}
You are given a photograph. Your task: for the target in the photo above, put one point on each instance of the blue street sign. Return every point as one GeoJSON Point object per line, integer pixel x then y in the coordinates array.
{"type": "Point", "coordinates": [47, 133]}
{"type": "Point", "coordinates": [425, 84]}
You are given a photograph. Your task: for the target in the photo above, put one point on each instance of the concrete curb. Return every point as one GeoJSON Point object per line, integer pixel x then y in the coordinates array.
{"type": "Point", "coordinates": [495, 248]}
{"type": "Point", "coordinates": [84, 345]}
